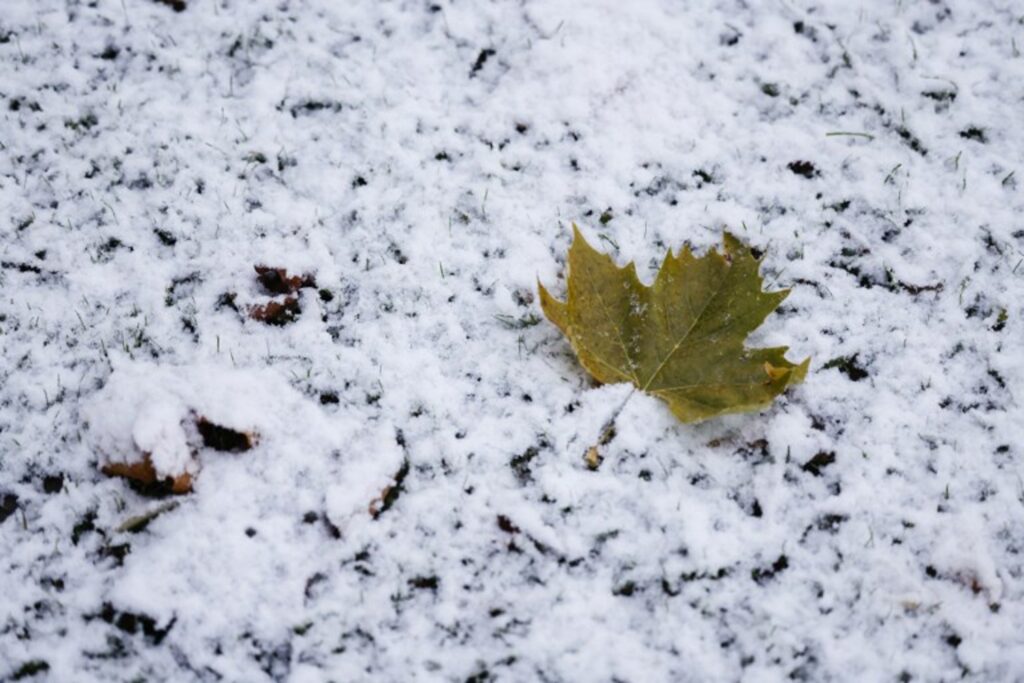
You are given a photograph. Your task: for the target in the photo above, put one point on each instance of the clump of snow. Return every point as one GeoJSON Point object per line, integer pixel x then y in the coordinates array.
{"type": "Point", "coordinates": [143, 409]}
{"type": "Point", "coordinates": [148, 408]}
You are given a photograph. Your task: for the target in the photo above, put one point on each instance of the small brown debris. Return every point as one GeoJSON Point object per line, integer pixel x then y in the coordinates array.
{"type": "Point", "coordinates": [390, 494]}
{"type": "Point", "coordinates": [176, 5]}
{"type": "Point", "coordinates": [225, 439]}
{"type": "Point", "coordinates": [227, 300]}
{"type": "Point", "coordinates": [278, 281]}
{"type": "Point", "coordinates": [275, 313]}
{"type": "Point", "coordinates": [593, 458]}
{"type": "Point", "coordinates": [819, 462]}
{"type": "Point", "coordinates": [144, 475]}
{"type": "Point", "coordinates": [803, 168]}
{"type": "Point", "coordinates": [506, 525]}
{"type": "Point", "coordinates": [8, 504]}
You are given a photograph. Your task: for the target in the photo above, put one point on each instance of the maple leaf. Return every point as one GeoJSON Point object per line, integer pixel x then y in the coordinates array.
{"type": "Point", "coordinates": [680, 339]}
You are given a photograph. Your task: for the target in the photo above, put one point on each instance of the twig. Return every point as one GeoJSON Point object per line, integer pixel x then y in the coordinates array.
{"type": "Point", "coordinates": [836, 133]}
{"type": "Point", "coordinates": [133, 525]}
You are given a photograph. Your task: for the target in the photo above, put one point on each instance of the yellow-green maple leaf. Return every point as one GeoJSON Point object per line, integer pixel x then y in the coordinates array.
{"type": "Point", "coordinates": [680, 339]}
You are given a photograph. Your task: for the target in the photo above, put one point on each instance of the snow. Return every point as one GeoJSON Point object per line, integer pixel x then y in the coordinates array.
{"type": "Point", "coordinates": [424, 162]}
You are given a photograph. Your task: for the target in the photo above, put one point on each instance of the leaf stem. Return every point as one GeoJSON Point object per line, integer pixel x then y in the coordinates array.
{"type": "Point", "coordinates": [592, 457]}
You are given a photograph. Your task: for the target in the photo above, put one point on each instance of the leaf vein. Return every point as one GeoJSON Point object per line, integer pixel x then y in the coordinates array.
{"type": "Point", "coordinates": [618, 334]}
{"type": "Point", "coordinates": [686, 334]}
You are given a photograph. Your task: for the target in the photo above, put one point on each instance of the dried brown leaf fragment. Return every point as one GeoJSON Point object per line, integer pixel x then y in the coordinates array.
{"type": "Point", "coordinates": [142, 473]}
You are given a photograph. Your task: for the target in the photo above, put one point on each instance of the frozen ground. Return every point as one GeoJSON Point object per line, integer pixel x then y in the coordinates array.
{"type": "Point", "coordinates": [423, 161]}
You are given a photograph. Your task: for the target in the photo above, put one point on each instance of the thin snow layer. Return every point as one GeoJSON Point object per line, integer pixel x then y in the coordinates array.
{"type": "Point", "coordinates": [423, 161]}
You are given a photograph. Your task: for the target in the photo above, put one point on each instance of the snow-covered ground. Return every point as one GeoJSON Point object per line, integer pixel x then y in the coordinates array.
{"type": "Point", "coordinates": [417, 505]}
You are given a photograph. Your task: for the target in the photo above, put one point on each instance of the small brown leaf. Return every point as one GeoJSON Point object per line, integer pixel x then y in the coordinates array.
{"type": "Point", "coordinates": [278, 281]}
{"type": "Point", "coordinates": [275, 313]}
{"type": "Point", "coordinates": [144, 475]}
